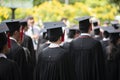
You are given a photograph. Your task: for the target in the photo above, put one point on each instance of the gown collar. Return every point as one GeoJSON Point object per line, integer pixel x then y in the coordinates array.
{"type": "Point", "coordinates": [85, 34]}
{"type": "Point", "coordinates": [3, 55]}
{"type": "Point", "coordinates": [53, 45]}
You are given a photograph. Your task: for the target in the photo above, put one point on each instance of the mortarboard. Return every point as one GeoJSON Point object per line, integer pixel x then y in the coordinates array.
{"type": "Point", "coordinates": [115, 24]}
{"type": "Point", "coordinates": [73, 30]}
{"type": "Point", "coordinates": [95, 23]}
{"type": "Point", "coordinates": [13, 25]}
{"type": "Point", "coordinates": [23, 22]}
{"type": "Point", "coordinates": [54, 28]}
{"type": "Point", "coordinates": [3, 27]}
{"type": "Point", "coordinates": [3, 38]}
{"type": "Point", "coordinates": [84, 22]}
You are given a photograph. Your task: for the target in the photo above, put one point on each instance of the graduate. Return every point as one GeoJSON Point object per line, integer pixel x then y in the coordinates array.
{"type": "Point", "coordinates": [27, 45]}
{"type": "Point", "coordinates": [113, 55]}
{"type": "Point", "coordinates": [96, 29]}
{"type": "Point", "coordinates": [17, 53]}
{"type": "Point", "coordinates": [43, 38]}
{"type": "Point", "coordinates": [8, 69]}
{"type": "Point", "coordinates": [105, 41]}
{"type": "Point", "coordinates": [53, 62]}
{"type": "Point", "coordinates": [87, 53]}
{"type": "Point", "coordinates": [73, 32]}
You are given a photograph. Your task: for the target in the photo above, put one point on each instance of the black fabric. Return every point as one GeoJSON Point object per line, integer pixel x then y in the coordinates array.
{"type": "Point", "coordinates": [99, 38]}
{"type": "Point", "coordinates": [40, 48]}
{"type": "Point", "coordinates": [53, 64]}
{"type": "Point", "coordinates": [113, 63]}
{"type": "Point", "coordinates": [27, 43]}
{"type": "Point", "coordinates": [9, 70]}
{"type": "Point", "coordinates": [3, 40]}
{"type": "Point", "coordinates": [88, 59]}
{"type": "Point", "coordinates": [18, 55]}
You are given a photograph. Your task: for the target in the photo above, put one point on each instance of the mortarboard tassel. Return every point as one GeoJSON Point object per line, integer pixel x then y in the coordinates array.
{"type": "Point", "coordinates": [63, 36]}
{"type": "Point", "coordinates": [21, 34]}
{"type": "Point", "coordinates": [9, 45]}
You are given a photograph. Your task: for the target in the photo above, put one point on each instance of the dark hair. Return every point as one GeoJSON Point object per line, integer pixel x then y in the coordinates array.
{"type": "Point", "coordinates": [105, 34]}
{"type": "Point", "coordinates": [29, 18]}
{"type": "Point", "coordinates": [84, 27]}
{"type": "Point", "coordinates": [3, 40]}
{"type": "Point", "coordinates": [95, 24]}
{"type": "Point", "coordinates": [12, 32]}
{"type": "Point", "coordinates": [97, 31]}
{"type": "Point", "coordinates": [54, 34]}
{"type": "Point", "coordinates": [113, 49]}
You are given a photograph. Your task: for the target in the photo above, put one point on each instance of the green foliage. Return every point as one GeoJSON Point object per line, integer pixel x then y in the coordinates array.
{"type": "Point", "coordinates": [54, 11]}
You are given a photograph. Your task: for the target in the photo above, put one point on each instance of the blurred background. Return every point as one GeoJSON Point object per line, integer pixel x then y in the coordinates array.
{"type": "Point", "coordinates": [54, 10]}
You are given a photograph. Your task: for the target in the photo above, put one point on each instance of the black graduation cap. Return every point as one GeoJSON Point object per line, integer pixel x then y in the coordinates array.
{"type": "Point", "coordinates": [3, 27]}
{"type": "Point", "coordinates": [84, 22]}
{"type": "Point", "coordinates": [13, 25]}
{"type": "Point", "coordinates": [73, 30]}
{"type": "Point", "coordinates": [54, 29]}
{"type": "Point", "coordinates": [115, 24]}
{"type": "Point", "coordinates": [3, 38]}
{"type": "Point", "coordinates": [23, 22]}
{"type": "Point", "coordinates": [95, 23]}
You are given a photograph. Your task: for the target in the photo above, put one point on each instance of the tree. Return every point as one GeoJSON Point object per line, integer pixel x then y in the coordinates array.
{"type": "Point", "coordinates": [115, 3]}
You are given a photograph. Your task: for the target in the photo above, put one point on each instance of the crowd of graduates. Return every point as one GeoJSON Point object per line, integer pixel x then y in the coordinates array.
{"type": "Point", "coordinates": [84, 51]}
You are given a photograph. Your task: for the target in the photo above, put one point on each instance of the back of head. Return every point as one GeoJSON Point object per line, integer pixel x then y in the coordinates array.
{"type": "Point", "coordinates": [97, 31]}
{"type": "Point", "coordinates": [54, 34]}
{"type": "Point", "coordinates": [84, 24]}
{"type": "Point", "coordinates": [3, 40]}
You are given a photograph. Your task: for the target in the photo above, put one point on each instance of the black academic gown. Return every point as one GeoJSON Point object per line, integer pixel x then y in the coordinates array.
{"type": "Point", "coordinates": [99, 38]}
{"type": "Point", "coordinates": [53, 64]}
{"type": "Point", "coordinates": [18, 55]}
{"type": "Point", "coordinates": [88, 58]}
{"type": "Point", "coordinates": [113, 64]}
{"type": "Point", "coordinates": [9, 70]}
{"type": "Point", "coordinates": [27, 42]}
{"type": "Point", "coordinates": [40, 48]}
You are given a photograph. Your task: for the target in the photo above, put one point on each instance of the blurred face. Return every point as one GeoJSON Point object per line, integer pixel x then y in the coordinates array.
{"type": "Point", "coordinates": [6, 49]}
{"type": "Point", "coordinates": [30, 22]}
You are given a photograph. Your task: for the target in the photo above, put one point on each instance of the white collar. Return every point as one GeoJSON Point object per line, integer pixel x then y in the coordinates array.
{"type": "Point", "coordinates": [85, 34]}
{"type": "Point", "coordinates": [13, 39]}
{"type": "Point", "coordinates": [97, 36]}
{"type": "Point", "coordinates": [69, 40]}
{"type": "Point", "coordinates": [3, 55]}
{"type": "Point", "coordinates": [106, 39]}
{"type": "Point", "coordinates": [54, 45]}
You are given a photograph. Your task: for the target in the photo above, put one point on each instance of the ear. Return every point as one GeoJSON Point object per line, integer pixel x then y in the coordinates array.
{"type": "Point", "coordinates": [15, 32]}
{"type": "Point", "coordinates": [90, 28]}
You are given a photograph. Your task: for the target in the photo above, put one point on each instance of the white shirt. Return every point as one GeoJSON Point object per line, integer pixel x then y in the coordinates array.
{"type": "Point", "coordinates": [53, 45]}
{"type": "Point", "coordinates": [106, 39]}
{"type": "Point", "coordinates": [2, 55]}
{"type": "Point", "coordinates": [85, 34]}
{"type": "Point", "coordinates": [13, 39]}
{"type": "Point", "coordinates": [33, 31]}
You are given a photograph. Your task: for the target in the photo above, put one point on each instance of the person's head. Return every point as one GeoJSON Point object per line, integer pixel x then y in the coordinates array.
{"type": "Point", "coordinates": [106, 34]}
{"type": "Point", "coordinates": [14, 28]}
{"type": "Point", "coordinates": [84, 24]}
{"type": "Point", "coordinates": [3, 38]}
{"type": "Point", "coordinates": [115, 24]}
{"type": "Point", "coordinates": [95, 23]}
{"type": "Point", "coordinates": [30, 21]}
{"type": "Point", "coordinates": [97, 31]}
{"type": "Point", "coordinates": [24, 25]}
{"type": "Point", "coordinates": [54, 31]}
{"type": "Point", "coordinates": [74, 32]}
{"type": "Point", "coordinates": [3, 43]}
